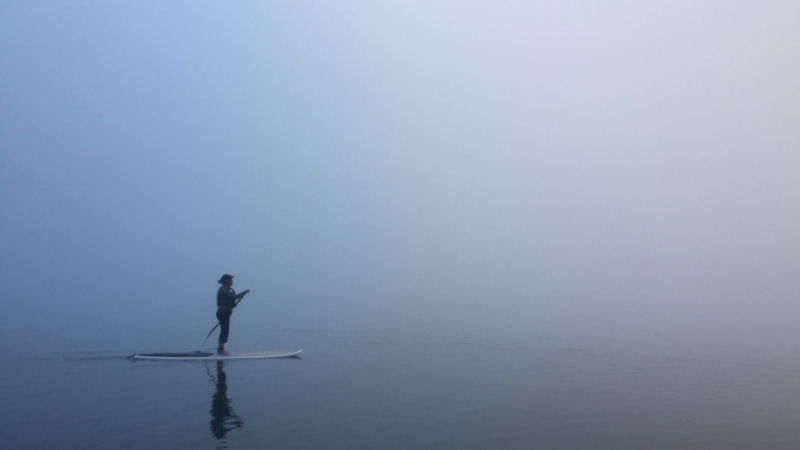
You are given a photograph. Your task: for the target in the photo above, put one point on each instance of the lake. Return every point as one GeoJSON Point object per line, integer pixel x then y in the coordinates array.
{"type": "Point", "coordinates": [370, 391]}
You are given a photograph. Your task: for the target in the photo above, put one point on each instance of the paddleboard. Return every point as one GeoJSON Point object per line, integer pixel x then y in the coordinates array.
{"type": "Point", "coordinates": [211, 356]}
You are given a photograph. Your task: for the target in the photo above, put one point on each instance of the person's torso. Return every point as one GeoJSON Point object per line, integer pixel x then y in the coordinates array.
{"type": "Point", "coordinates": [226, 299]}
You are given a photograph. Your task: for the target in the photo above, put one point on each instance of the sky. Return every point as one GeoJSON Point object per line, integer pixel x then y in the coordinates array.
{"type": "Point", "coordinates": [615, 171]}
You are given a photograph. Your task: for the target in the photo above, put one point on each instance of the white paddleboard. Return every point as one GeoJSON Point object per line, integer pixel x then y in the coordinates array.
{"type": "Point", "coordinates": [209, 356]}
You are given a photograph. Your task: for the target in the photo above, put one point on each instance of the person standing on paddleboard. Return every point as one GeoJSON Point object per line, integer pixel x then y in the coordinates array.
{"type": "Point", "coordinates": [226, 301]}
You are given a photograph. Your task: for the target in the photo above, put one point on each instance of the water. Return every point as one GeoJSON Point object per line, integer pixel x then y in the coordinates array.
{"type": "Point", "coordinates": [352, 391]}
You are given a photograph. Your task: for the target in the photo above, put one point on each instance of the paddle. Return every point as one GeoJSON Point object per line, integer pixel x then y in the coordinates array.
{"type": "Point", "coordinates": [215, 326]}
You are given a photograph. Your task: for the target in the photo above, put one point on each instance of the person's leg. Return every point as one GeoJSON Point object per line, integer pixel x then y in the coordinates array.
{"type": "Point", "coordinates": [224, 328]}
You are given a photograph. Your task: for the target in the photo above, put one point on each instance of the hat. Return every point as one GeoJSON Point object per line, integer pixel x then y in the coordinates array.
{"type": "Point", "coordinates": [227, 276]}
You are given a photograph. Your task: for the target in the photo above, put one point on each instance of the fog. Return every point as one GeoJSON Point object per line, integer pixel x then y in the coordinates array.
{"type": "Point", "coordinates": [622, 172]}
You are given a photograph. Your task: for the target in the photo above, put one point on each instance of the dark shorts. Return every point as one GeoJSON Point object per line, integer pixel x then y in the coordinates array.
{"type": "Point", "coordinates": [224, 326]}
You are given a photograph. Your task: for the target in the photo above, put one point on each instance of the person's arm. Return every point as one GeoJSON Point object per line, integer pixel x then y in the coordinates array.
{"type": "Point", "coordinates": [240, 296]}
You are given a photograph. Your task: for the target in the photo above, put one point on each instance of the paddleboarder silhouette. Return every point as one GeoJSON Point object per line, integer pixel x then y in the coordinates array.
{"type": "Point", "coordinates": [227, 299]}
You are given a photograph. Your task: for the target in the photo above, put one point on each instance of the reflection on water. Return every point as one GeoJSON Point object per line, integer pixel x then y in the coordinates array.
{"type": "Point", "coordinates": [393, 394]}
{"type": "Point", "coordinates": [223, 418]}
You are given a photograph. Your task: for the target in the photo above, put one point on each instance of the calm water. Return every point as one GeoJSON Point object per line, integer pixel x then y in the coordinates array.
{"type": "Point", "coordinates": [370, 392]}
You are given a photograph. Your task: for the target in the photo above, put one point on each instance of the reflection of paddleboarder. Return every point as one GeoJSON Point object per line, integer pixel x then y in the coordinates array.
{"type": "Point", "coordinates": [226, 301]}
{"type": "Point", "coordinates": [223, 418]}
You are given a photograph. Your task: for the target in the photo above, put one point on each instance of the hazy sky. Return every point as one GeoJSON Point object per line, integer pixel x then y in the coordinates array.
{"type": "Point", "coordinates": [614, 170]}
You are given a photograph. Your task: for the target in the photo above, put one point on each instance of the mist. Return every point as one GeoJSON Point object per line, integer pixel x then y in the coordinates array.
{"type": "Point", "coordinates": [618, 172]}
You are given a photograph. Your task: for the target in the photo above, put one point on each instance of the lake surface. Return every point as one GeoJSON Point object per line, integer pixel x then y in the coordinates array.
{"type": "Point", "coordinates": [361, 391]}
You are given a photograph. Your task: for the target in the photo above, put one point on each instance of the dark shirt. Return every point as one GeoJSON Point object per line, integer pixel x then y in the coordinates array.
{"type": "Point", "coordinates": [226, 299]}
